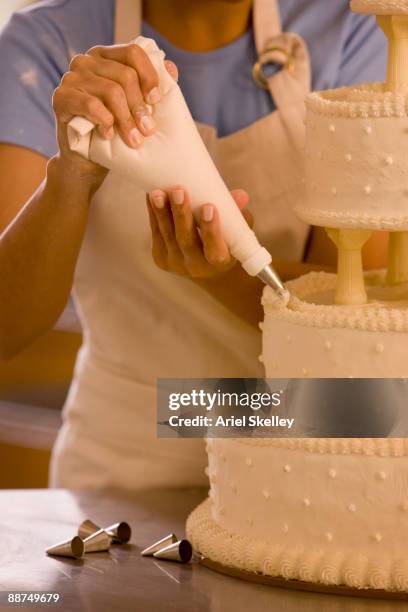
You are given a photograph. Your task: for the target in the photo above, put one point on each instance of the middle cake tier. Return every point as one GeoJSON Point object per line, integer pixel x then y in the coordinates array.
{"type": "Point", "coordinates": [356, 171]}
{"type": "Point", "coordinates": [313, 337]}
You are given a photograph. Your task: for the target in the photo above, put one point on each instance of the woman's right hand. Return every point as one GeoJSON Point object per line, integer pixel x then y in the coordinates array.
{"type": "Point", "coordinates": [112, 87]}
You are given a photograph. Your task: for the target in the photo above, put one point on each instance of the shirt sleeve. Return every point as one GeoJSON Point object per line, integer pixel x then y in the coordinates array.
{"type": "Point", "coordinates": [364, 53]}
{"type": "Point", "coordinates": [32, 61]}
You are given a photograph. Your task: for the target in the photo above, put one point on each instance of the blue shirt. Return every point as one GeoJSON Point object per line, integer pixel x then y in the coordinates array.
{"type": "Point", "coordinates": [37, 44]}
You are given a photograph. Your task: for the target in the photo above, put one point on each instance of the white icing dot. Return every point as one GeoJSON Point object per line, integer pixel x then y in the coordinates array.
{"type": "Point", "coordinates": [348, 157]}
{"type": "Point", "coordinates": [367, 189]}
{"type": "Point", "coordinates": [306, 502]}
{"type": "Point", "coordinates": [305, 371]}
{"type": "Point", "coordinates": [206, 471]}
{"type": "Point", "coordinates": [329, 536]}
{"type": "Point", "coordinates": [249, 462]}
{"type": "Point", "coordinates": [289, 339]}
{"type": "Point", "coordinates": [250, 520]}
{"type": "Point", "coordinates": [334, 190]}
{"type": "Point", "coordinates": [260, 358]}
{"type": "Point", "coordinates": [320, 155]}
{"type": "Point", "coordinates": [381, 475]}
{"type": "Point", "coordinates": [379, 348]}
{"type": "Point", "coordinates": [377, 537]}
{"type": "Point", "coordinates": [266, 494]}
{"type": "Point", "coordinates": [368, 129]}
{"type": "Point", "coordinates": [352, 507]}
{"type": "Point", "coordinates": [328, 345]}
{"type": "Point", "coordinates": [389, 160]}
{"type": "Point", "coordinates": [332, 473]}
{"type": "Point", "coordinates": [332, 127]}
{"type": "Point", "coordinates": [285, 528]}
{"type": "Point", "coordinates": [404, 505]}
{"type": "Point", "coordinates": [287, 468]}
{"type": "Point", "coordinates": [261, 325]}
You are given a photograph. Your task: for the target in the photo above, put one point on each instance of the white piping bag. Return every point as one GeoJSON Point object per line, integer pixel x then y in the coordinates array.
{"type": "Point", "coordinates": [176, 155]}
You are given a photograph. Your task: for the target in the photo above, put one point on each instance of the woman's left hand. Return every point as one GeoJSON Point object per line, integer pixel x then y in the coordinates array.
{"type": "Point", "coordinates": [187, 247]}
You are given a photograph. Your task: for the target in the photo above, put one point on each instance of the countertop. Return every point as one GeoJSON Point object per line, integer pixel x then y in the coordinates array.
{"type": "Point", "coordinates": [122, 580]}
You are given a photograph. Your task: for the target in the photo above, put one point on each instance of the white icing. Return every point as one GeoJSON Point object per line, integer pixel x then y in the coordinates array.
{"type": "Point", "coordinates": [383, 447]}
{"type": "Point", "coordinates": [365, 177]}
{"type": "Point", "coordinates": [380, 7]}
{"type": "Point", "coordinates": [370, 332]}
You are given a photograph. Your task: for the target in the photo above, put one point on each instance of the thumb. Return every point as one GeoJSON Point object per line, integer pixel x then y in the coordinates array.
{"type": "Point", "coordinates": [172, 69]}
{"type": "Point", "coordinates": [241, 197]}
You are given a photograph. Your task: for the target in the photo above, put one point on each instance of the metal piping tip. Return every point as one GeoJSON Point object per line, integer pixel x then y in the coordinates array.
{"type": "Point", "coordinates": [119, 532]}
{"type": "Point", "coordinates": [181, 552]}
{"type": "Point", "coordinates": [87, 528]}
{"type": "Point", "coordinates": [97, 542]}
{"type": "Point", "coordinates": [159, 545]}
{"type": "Point", "coordinates": [73, 548]}
{"type": "Point", "coordinates": [270, 277]}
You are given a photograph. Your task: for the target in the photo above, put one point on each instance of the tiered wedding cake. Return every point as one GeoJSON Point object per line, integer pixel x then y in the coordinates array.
{"type": "Point", "coordinates": [331, 511]}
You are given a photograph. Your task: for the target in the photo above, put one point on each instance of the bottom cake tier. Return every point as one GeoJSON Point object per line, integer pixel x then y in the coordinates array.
{"type": "Point", "coordinates": [330, 511]}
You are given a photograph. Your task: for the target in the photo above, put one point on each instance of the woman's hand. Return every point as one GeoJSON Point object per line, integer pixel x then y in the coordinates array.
{"type": "Point", "coordinates": [183, 246]}
{"type": "Point", "coordinates": [112, 87]}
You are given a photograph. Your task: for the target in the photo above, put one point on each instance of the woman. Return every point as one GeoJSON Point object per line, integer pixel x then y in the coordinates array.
{"type": "Point", "coordinates": [83, 225]}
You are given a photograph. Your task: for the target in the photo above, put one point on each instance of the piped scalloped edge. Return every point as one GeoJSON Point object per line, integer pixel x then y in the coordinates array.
{"type": "Point", "coordinates": [353, 570]}
{"type": "Point", "coordinates": [363, 101]}
{"type": "Point", "coordinates": [365, 317]}
{"type": "Point", "coordinates": [381, 447]}
{"type": "Point", "coordinates": [380, 7]}
{"type": "Point", "coordinates": [350, 220]}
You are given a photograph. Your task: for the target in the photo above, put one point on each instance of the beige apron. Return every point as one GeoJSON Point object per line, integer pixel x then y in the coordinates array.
{"type": "Point", "coordinates": [141, 323]}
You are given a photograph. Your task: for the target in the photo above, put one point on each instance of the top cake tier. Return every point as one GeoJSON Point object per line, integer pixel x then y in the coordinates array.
{"type": "Point", "coordinates": [380, 7]}
{"type": "Point", "coordinates": [356, 159]}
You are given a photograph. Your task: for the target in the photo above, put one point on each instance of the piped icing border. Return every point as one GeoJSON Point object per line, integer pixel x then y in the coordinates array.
{"type": "Point", "coordinates": [312, 565]}
{"type": "Point", "coordinates": [368, 100]}
{"type": "Point", "coordinates": [365, 317]}
{"type": "Point", "coordinates": [382, 447]}
{"type": "Point", "coordinates": [350, 220]}
{"type": "Point", "coordinates": [380, 7]}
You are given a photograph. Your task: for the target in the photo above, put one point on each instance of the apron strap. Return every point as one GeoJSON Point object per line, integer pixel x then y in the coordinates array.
{"type": "Point", "coordinates": [128, 20]}
{"type": "Point", "coordinates": [267, 23]}
{"type": "Point", "coordinates": [289, 85]}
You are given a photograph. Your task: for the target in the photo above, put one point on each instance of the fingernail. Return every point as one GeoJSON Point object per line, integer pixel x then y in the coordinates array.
{"type": "Point", "coordinates": [177, 196]}
{"type": "Point", "coordinates": [208, 212]}
{"type": "Point", "coordinates": [136, 137]}
{"type": "Point", "coordinates": [157, 199]}
{"type": "Point", "coordinates": [153, 96]}
{"type": "Point", "coordinates": [148, 124]}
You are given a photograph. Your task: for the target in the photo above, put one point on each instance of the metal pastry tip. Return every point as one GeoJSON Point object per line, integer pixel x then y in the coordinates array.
{"type": "Point", "coordinates": [270, 277]}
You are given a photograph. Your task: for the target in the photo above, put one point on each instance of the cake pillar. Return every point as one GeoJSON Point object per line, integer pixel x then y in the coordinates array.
{"type": "Point", "coordinates": [397, 258]}
{"type": "Point", "coordinates": [395, 27]}
{"type": "Point", "coordinates": [350, 287]}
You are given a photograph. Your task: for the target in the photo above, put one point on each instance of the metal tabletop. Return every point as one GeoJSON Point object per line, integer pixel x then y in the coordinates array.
{"type": "Point", "coordinates": [122, 580]}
